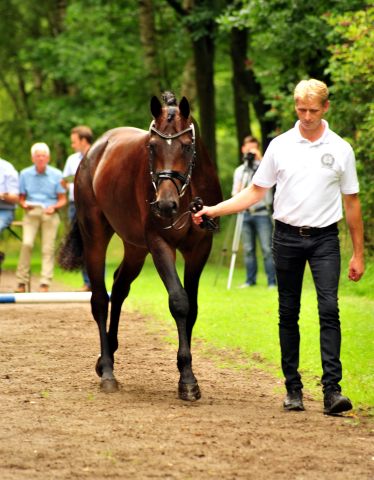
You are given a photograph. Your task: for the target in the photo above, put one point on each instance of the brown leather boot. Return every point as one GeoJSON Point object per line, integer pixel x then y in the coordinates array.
{"type": "Point", "coordinates": [21, 288]}
{"type": "Point", "coordinates": [43, 288]}
{"type": "Point", "coordinates": [85, 288]}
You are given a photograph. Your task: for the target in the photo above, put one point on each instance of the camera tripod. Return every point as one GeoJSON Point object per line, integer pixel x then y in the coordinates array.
{"type": "Point", "coordinates": [239, 217]}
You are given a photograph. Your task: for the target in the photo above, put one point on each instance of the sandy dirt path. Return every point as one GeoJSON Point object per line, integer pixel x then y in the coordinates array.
{"type": "Point", "coordinates": [56, 424]}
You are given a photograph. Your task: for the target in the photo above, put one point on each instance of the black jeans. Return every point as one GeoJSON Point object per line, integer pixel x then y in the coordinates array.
{"type": "Point", "coordinates": [291, 252]}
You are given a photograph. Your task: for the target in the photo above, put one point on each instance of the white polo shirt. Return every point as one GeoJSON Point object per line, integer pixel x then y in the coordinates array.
{"type": "Point", "coordinates": [71, 167]}
{"type": "Point", "coordinates": [310, 177]}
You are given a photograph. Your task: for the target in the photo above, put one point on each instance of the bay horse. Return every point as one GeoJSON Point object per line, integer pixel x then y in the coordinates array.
{"type": "Point", "coordinates": [134, 183]}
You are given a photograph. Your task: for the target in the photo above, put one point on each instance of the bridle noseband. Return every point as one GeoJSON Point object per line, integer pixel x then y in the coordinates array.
{"type": "Point", "coordinates": [173, 174]}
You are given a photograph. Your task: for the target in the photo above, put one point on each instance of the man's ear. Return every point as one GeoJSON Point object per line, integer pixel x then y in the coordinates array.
{"type": "Point", "coordinates": [326, 107]}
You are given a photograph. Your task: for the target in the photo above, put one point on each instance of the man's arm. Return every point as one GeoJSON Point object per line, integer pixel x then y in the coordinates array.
{"type": "Point", "coordinates": [61, 202]}
{"type": "Point", "coordinates": [352, 209]}
{"type": "Point", "coordinates": [243, 200]}
{"type": "Point", "coordinates": [9, 197]}
{"type": "Point", "coordinates": [64, 184]}
{"type": "Point", "coordinates": [11, 189]}
{"type": "Point", "coordinates": [22, 202]}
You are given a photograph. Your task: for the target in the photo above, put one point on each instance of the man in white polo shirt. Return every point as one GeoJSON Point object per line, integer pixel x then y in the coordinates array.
{"type": "Point", "coordinates": [312, 167]}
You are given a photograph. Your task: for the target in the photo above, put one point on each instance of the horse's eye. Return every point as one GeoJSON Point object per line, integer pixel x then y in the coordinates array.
{"type": "Point", "coordinates": [187, 149]}
{"type": "Point", "coordinates": [151, 148]}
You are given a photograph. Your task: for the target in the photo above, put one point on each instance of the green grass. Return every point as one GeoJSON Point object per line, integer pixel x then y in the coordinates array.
{"type": "Point", "coordinates": [246, 320]}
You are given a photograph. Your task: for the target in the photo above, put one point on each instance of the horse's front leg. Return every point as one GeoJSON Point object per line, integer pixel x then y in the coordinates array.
{"type": "Point", "coordinates": [194, 263]}
{"type": "Point", "coordinates": [164, 260]}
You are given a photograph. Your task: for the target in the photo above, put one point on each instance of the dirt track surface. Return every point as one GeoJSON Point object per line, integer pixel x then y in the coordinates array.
{"type": "Point", "coordinates": [56, 424]}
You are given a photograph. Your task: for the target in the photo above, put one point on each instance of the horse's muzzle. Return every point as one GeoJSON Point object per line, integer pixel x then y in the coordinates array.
{"type": "Point", "coordinates": [165, 208]}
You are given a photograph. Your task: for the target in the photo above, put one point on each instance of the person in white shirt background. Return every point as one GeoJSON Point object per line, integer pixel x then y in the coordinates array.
{"type": "Point", "coordinates": [81, 140]}
{"type": "Point", "coordinates": [312, 168]}
{"type": "Point", "coordinates": [9, 197]}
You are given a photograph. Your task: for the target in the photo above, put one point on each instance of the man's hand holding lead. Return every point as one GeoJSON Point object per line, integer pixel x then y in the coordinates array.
{"type": "Point", "coordinates": [196, 217]}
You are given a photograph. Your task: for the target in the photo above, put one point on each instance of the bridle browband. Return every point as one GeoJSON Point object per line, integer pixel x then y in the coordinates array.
{"type": "Point", "coordinates": [173, 174]}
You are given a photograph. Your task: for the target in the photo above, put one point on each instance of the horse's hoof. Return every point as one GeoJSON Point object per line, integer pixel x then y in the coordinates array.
{"type": "Point", "coordinates": [190, 392]}
{"type": "Point", "coordinates": [97, 370]}
{"type": "Point", "coordinates": [109, 386]}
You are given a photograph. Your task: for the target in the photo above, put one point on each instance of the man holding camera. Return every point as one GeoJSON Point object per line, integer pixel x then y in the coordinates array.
{"type": "Point", "coordinates": [256, 222]}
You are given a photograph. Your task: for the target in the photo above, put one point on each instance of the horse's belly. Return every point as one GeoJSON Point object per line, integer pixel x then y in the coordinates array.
{"type": "Point", "coordinates": [129, 230]}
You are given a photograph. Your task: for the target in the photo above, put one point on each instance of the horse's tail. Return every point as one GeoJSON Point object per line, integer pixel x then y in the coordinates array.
{"type": "Point", "coordinates": [70, 255]}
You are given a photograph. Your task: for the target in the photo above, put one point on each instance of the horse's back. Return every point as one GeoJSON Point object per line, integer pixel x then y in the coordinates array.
{"type": "Point", "coordinates": [121, 137]}
{"type": "Point", "coordinates": [124, 156]}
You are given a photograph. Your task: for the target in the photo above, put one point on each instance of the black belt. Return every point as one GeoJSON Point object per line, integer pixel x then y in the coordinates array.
{"type": "Point", "coordinates": [260, 209]}
{"type": "Point", "coordinates": [304, 231]}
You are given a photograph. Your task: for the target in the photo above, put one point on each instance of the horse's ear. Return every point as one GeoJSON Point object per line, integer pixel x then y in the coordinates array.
{"type": "Point", "coordinates": [156, 106]}
{"type": "Point", "coordinates": [184, 107]}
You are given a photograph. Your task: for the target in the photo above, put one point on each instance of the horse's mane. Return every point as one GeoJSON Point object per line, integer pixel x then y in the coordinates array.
{"type": "Point", "coordinates": [169, 99]}
{"type": "Point", "coordinates": [171, 104]}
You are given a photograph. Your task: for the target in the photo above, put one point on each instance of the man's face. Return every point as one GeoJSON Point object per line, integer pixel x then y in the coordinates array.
{"type": "Point", "coordinates": [249, 147]}
{"type": "Point", "coordinates": [40, 158]}
{"type": "Point", "coordinates": [310, 113]}
{"type": "Point", "coordinates": [76, 142]}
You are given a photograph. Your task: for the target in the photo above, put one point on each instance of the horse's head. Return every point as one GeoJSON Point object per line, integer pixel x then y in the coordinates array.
{"type": "Point", "coordinates": [171, 152]}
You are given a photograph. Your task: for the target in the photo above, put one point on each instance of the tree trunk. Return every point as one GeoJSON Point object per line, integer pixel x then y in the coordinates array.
{"type": "Point", "coordinates": [21, 112]}
{"type": "Point", "coordinates": [238, 51]}
{"type": "Point", "coordinates": [258, 100]}
{"type": "Point", "coordinates": [247, 89]}
{"type": "Point", "coordinates": [148, 39]}
{"type": "Point", "coordinates": [188, 88]}
{"type": "Point", "coordinates": [204, 61]}
{"type": "Point", "coordinates": [203, 48]}
{"type": "Point", "coordinates": [56, 16]}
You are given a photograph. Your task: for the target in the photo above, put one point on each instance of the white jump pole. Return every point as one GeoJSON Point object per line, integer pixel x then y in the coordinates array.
{"type": "Point", "coordinates": [50, 297]}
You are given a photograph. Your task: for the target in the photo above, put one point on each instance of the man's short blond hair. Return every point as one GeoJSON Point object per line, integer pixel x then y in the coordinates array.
{"type": "Point", "coordinates": [311, 90]}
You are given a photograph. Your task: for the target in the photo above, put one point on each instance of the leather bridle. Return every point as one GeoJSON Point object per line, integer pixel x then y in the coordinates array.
{"type": "Point", "coordinates": [173, 174]}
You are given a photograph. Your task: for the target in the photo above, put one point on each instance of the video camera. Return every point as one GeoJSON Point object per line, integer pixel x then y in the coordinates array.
{"type": "Point", "coordinates": [248, 161]}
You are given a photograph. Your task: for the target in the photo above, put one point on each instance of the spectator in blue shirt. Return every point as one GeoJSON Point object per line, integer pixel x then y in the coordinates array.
{"type": "Point", "coordinates": [41, 195]}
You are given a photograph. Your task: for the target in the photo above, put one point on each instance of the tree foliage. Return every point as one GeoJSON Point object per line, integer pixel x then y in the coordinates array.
{"type": "Point", "coordinates": [352, 72]}
{"type": "Point", "coordinates": [288, 42]}
{"type": "Point", "coordinates": [89, 70]}
{"type": "Point", "coordinates": [70, 62]}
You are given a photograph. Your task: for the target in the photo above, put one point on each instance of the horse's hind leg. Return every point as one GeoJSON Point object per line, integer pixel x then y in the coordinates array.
{"type": "Point", "coordinates": [96, 237]}
{"type": "Point", "coordinates": [127, 272]}
{"type": "Point", "coordinates": [164, 260]}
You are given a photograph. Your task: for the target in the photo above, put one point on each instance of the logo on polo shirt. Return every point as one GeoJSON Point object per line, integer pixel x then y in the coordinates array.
{"type": "Point", "coordinates": [327, 160]}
